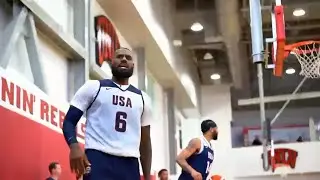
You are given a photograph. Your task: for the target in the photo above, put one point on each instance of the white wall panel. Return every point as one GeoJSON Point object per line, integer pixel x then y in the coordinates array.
{"type": "Point", "coordinates": [55, 69]}
{"type": "Point", "coordinates": [19, 61]}
{"type": "Point", "coordinates": [190, 129]}
{"type": "Point", "coordinates": [159, 131]}
{"type": "Point", "coordinates": [58, 10]}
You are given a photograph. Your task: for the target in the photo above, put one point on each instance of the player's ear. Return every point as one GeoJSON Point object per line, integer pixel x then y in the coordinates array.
{"type": "Point", "coordinates": [212, 130]}
{"type": "Point", "coordinates": [215, 130]}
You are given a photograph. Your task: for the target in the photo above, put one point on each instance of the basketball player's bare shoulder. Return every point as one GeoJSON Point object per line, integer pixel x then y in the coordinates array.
{"type": "Point", "coordinates": [194, 144]}
{"type": "Point", "coordinates": [193, 147]}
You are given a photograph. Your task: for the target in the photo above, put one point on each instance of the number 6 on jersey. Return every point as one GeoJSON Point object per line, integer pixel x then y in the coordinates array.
{"type": "Point", "coordinates": [120, 122]}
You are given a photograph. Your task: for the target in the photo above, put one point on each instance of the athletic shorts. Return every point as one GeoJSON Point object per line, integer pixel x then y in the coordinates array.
{"type": "Point", "coordinates": [109, 167]}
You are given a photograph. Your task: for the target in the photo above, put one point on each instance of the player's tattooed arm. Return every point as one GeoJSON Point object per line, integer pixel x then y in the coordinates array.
{"type": "Point", "coordinates": [192, 148]}
{"type": "Point", "coordinates": [145, 151]}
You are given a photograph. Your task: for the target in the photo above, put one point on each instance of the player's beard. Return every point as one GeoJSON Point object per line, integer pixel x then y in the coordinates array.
{"type": "Point", "coordinates": [121, 73]}
{"type": "Point", "coordinates": [215, 136]}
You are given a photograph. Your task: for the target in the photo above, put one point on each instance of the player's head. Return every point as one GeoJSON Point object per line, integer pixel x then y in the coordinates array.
{"type": "Point", "coordinates": [163, 174]}
{"type": "Point", "coordinates": [122, 63]}
{"type": "Point", "coordinates": [55, 169]}
{"type": "Point", "coordinates": [209, 127]}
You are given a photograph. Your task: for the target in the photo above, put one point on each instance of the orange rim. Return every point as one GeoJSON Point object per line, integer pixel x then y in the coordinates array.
{"type": "Point", "coordinates": [291, 47]}
{"type": "Point", "coordinates": [283, 52]}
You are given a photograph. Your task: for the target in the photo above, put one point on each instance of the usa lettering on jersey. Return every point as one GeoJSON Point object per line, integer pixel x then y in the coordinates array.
{"type": "Point", "coordinates": [121, 101]}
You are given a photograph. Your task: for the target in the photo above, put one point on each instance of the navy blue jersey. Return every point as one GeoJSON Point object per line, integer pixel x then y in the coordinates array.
{"type": "Point", "coordinates": [201, 161]}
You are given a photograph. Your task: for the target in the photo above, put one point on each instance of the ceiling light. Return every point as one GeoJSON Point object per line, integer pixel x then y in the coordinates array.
{"type": "Point", "coordinates": [207, 56]}
{"type": "Point", "coordinates": [290, 71]}
{"type": "Point", "coordinates": [177, 42]}
{"type": "Point", "coordinates": [215, 76]}
{"type": "Point", "coordinates": [299, 12]}
{"type": "Point", "coordinates": [196, 27]}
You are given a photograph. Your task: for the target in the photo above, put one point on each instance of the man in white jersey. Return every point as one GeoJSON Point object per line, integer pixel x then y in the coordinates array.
{"type": "Point", "coordinates": [118, 118]}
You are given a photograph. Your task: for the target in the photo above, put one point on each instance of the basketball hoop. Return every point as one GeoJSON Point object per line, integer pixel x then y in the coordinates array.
{"type": "Point", "coordinates": [308, 55]}
{"type": "Point", "coordinates": [282, 169]}
{"type": "Point", "coordinates": [307, 52]}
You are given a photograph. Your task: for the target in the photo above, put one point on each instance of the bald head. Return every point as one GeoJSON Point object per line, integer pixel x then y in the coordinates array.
{"type": "Point", "coordinates": [122, 64]}
{"type": "Point", "coordinates": [123, 50]}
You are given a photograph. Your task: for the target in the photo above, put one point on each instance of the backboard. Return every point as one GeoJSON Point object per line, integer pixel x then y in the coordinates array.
{"type": "Point", "coordinates": [275, 46]}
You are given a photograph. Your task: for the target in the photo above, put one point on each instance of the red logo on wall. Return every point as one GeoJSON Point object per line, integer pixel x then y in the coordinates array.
{"type": "Point", "coordinates": [106, 39]}
{"type": "Point", "coordinates": [283, 156]}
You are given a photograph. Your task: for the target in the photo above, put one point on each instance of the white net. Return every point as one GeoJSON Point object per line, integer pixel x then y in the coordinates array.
{"type": "Point", "coordinates": [308, 56]}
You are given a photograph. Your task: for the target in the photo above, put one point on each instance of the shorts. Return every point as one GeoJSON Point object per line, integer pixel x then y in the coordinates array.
{"type": "Point", "coordinates": [187, 176]}
{"type": "Point", "coordinates": [109, 167]}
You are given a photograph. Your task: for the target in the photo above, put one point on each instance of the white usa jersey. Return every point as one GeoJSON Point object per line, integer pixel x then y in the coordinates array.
{"type": "Point", "coordinates": [115, 114]}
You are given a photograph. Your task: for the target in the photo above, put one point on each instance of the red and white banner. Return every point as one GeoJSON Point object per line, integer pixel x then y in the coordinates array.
{"type": "Point", "coordinates": [30, 131]}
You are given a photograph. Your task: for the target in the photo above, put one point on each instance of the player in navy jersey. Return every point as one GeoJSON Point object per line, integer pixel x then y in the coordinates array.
{"type": "Point", "coordinates": [118, 118]}
{"type": "Point", "coordinates": [195, 160]}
